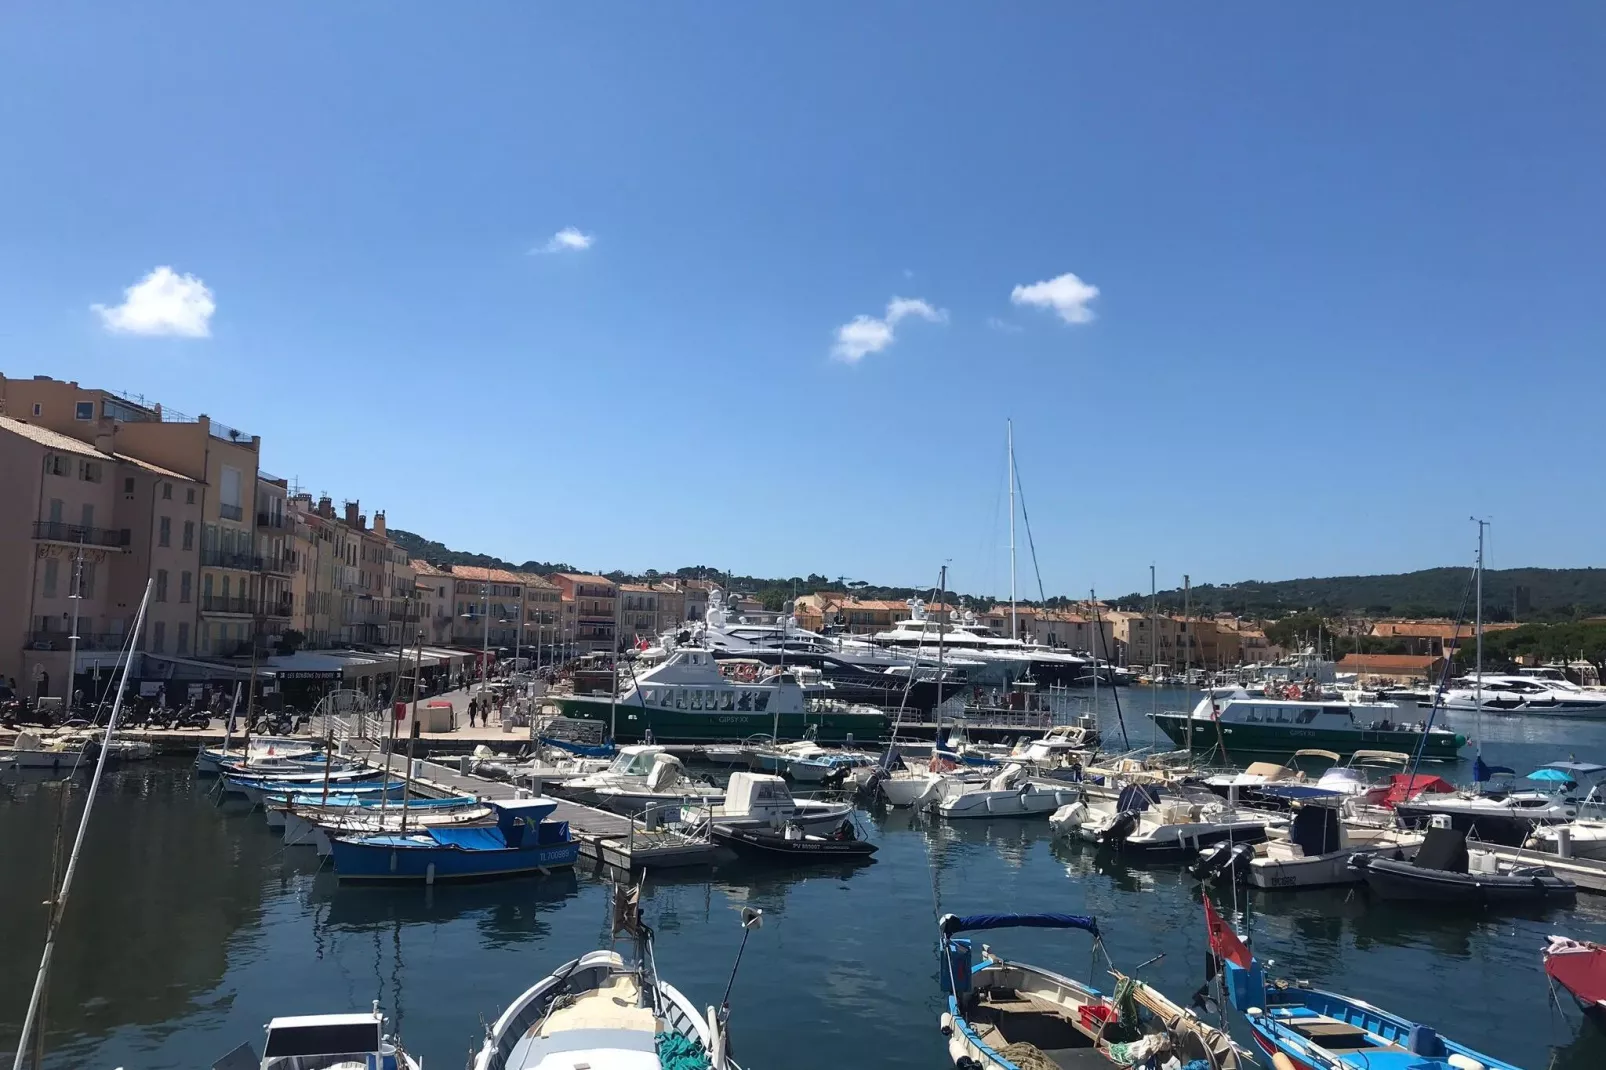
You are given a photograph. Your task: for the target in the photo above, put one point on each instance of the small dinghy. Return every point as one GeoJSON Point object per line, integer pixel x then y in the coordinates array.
{"type": "Point", "coordinates": [1580, 968]}
{"type": "Point", "coordinates": [1010, 1014]}
{"type": "Point", "coordinates": [1444, 871]}
{"type": "Point", "coordinates": [325, 1041]}
{"type": "Point", "coordinates": [792, 844]}
{"type": "Point", "coordinates": [603, 1012]}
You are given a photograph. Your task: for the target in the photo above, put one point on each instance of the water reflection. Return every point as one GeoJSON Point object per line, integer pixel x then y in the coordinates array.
{"type": "Point", "coordinates": [504, 912]}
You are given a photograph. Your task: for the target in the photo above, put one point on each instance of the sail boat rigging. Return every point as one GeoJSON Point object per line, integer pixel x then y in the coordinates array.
{"type": "Point", "coordinates": [58, 900]}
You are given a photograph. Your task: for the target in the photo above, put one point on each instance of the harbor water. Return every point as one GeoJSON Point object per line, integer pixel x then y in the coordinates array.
{"type": "Point", "coordinates": [191, 925]}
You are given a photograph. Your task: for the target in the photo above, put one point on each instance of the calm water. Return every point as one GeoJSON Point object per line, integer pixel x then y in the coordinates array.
{"type": "Point", "coordinates": [190, 927]}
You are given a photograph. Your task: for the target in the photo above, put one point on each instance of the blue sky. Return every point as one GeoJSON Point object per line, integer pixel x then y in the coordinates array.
{"type": "Point", "coordinates": [1347, 261]}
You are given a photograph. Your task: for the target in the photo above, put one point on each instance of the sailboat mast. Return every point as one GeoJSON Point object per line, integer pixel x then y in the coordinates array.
{"type": "Point", "coordinates": [1478, 617]}
{"type": "Point", "coordinates": [59, 901]}
{"type": "Point", "coordinates": [1014, 618]}
{"type": "Point", "coordinates": [942, 617]}
{"type": "Point", "coordinates": [1187, 657]}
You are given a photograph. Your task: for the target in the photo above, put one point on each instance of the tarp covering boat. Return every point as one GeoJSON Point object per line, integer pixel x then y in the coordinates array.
{"type": "Point", "coordinates": [1403, 786]}
{"type": "Point", "coordinates": [953, 923]}
{"type": "Point", "coordinates": [1580, 968]}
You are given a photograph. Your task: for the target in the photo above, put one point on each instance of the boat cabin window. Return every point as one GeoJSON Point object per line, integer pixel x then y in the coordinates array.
{"type": "Point", "coordinates": [1307, 715]}
{"type": "Point", "coordinates": [744, 700]}
{"type": "Point", "coordinates": [708, 699]}
{"type": "Point", "coordinates": [680, 698]}
{"type": "Point", "coordinates": [1253, 715]}
{"type": "Point", "coordinates": [346, 1039]}
{"type": "Point", "coordinates": [649, 695]}
{"type": "Point", "coordinates": [696, 698]}
{"type": "Point", "coordinates": [726, 699]}
{"type": "Point", "coordinates": [761, 701]}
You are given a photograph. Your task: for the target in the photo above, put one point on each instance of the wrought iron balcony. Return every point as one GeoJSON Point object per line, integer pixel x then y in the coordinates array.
{"type": "Point", "coordinates": [230, 512]}
{"type": "Point", "coordinates": [269, 520]}
{"type": "Point", "coordinates": [231, 559]}
{"type": "Point", "coordinates": [86, 640]}
{"type": "Point", "coordinates": [242, 605]}
{"type": "Point", "coordinates": [55, 531]}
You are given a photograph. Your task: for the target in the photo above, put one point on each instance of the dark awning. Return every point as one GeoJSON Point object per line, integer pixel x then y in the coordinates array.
{"type": "Point", "coordinates": [951, 923]}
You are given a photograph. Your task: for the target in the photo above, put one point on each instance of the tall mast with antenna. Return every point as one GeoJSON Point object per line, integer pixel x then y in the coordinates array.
{"type": "Point", "coordinates": [1478, 617]}
{"type": "Point", "coordinates": [1009, 435]}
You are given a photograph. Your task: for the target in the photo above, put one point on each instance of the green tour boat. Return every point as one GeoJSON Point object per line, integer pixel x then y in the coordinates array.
{"type": "Point", "coordinates": [1245, 724]}
{"type": "Point", "coordinates": [686, 699]}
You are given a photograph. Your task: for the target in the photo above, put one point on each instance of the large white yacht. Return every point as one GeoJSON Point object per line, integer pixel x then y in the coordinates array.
{"type": "Point", "coordinates": [1524, 694]}
{"type": "Point", "coordinates": [1001, 657]}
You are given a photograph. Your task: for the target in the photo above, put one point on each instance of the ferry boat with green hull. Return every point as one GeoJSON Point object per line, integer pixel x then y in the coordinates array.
{"type": "Point", "coordinates": [1249, 724]}
{"type": "Point", "coordinates": [687, 699]}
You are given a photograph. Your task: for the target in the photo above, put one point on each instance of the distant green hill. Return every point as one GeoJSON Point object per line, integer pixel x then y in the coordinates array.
{"type": "Point", "coordinates": [439, 554]}
{"type": "Point", "coordinates": [1513, 593]}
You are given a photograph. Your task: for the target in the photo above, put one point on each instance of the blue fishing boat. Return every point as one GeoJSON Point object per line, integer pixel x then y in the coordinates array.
{"type": "Point", "coordinates": [254, 787]}
{"type": "Point", "coordinates": [1007, 1015]}
{"type": "Point", "coordinates": [521, 841]}
{"type": "Point", "coordinates": [1317, 1030]}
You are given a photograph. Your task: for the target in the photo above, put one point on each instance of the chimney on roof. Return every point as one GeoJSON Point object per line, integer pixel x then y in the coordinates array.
{"type": "Point", "coordinates": [326, 508]}
{"type": "Point", "coordinates": [379, 523]}
{"type": "Point", "coordinates": [352, 518]}
{"type": "Point", "coordinates": [105, 436]}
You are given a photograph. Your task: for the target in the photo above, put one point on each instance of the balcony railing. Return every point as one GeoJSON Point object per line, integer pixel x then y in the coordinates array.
{"type": "Point", "coordinates": [269, 520]}
{"type": "Point", "coordinates": [403, 616]}
{"type": "Point", "coordinates": [231, 559]}
{"type": "Point", "coordinates": [55, 531]}
{"type": "Point", "coordinates": [240, 604]}
{"type": "Point", "coordinates": [86, 641]}
{"type": "Point", "coordinates": [231, 512]}
{"type": "Point", "coordinates": [284, 564]}
{"type": "Point", "coordinates": [278, 607]}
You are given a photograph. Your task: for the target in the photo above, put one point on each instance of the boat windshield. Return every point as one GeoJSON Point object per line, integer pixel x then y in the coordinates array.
{"type": "Point", "coordinates": [633, 764]}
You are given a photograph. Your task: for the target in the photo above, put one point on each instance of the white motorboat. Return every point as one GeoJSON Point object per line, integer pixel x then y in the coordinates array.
{"type": "Point", "coordinates": [762, 800]}
{"type": "Point", "coordinates": [1509, 816]}
{"type": "Point", "coordinates": [257, 752]}
{"type": "Point", "coordinates": [1001, 658]}
{"type": "Point", "coordinates": [1523, 694]}
{"type": "Point", "coordinates": [1575, 839]}
{"type": "Point", "coordinates": [640, 776]}
{"type": "Point", "coordinates": [809, 763]}
{"type": "Point", "coordinates": [65, 751]}
{"type": "Point", "coordinates": [1318, 848]}
{"type": "Point", "coordinates": [1163, 824]}
{"type": "Point", "coordinates": [325, 1041]}
{"type": "Point", "coordinates": [1011, 792]}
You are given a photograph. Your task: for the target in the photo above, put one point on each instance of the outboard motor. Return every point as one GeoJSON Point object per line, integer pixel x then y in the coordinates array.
{"type": "Point", "coordinates": [1224, 862]}
{"type": "Point", "coordinates": [1124, 825]}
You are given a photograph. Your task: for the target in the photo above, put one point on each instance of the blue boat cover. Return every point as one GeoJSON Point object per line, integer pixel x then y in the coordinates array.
{"type": "Point", "coordinates": [972, 922]}
{"type": "Point", "coordinates": [1481, 772]}
{"type": "Point", "coordinates": [472, 838]}
{"type": "Point", "coordinates": [584, 750]}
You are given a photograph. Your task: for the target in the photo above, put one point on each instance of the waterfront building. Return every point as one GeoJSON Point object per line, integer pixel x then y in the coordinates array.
{"type": "Point", "coordinates": [588, 611]}
{"type": "Point", "coordinates": [1392, 668]}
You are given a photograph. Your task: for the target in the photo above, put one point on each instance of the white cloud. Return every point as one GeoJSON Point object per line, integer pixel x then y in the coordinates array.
{"type": "Point", "coordinates": [567, 240]}
{"type": "Point", "coordinates": [867, 334]}
{"type": "Point", "coordinates": [1004, 326]}
{"type": "Point", "coordinates": [1066, 295]}
{"type": "Point", "coordinates": [163, 302]}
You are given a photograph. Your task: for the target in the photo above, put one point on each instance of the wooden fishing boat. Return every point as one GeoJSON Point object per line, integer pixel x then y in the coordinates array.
{"type": "Point", "coordinates": [1006, 1015]}
{"type": "Point", "coordinates": [522, 841]}
{"type": "Point", "coordinates": [1580, 968]}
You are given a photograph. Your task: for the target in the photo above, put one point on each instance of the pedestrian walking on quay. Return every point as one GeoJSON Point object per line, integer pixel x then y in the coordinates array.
{"type": "Point", "coordinates": [473, 708]}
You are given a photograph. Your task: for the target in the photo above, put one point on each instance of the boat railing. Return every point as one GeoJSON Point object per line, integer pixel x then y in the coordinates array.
{"type": "Point", "coordinates": [667, 819]}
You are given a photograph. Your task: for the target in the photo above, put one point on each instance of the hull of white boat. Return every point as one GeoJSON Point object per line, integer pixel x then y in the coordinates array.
{"type": "Point", "coordinates": [1036, 801]}
{"type": "Point", "coordinates": [810, 819]}
{"type": "Point", "coordinates": [1584, 841]}
{"type": "Point", "coordinates": [1321, 871]}
{"type": "Point", "coordinates": [907, 790]}
{"type": "Point", "coordinates": [45, 759]}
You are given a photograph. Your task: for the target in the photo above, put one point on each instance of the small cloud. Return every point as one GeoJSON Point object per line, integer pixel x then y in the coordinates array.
{"type": "Point", "coordinates": [1004, 326]}
{"type": "Point", "coordinates": [867, 334]}
{"type": "Point", "coordinates": [567, 240]}
{"type": "Point", "coordinates": [1067, 295]}
{"type": "Point", "coordinates": [163, 302]}
{"type": "Point", "coordinates": [908, 273]}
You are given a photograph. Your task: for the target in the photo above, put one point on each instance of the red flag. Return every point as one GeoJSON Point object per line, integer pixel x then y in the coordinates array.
{"type": "Point", "coordinates": [1224, 943]}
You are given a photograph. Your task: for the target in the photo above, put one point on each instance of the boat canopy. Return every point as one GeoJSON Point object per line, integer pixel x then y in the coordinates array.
{"type": "Point", "coordinates": [1403, 786]}
{"type": "Point", "coordinates": [953, 923]}
{"type": "Point", "coordinates": [1577, 768]}
{"type": "Point", "coordinates": [1482, 772]}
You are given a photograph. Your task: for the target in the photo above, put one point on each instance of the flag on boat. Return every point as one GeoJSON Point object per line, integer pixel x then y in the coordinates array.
{"type": "Point", "coordinates": [1224, 943]}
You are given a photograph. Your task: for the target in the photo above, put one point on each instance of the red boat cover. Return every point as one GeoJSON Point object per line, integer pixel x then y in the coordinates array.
{"type": "Point", "coordinates": [1403, 786]}
{"type": "Point", "coordinates": [1579, 968]}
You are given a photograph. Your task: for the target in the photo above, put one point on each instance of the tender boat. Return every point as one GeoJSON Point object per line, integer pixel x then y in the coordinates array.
{"type": "Point", "coordinates": [603, 1013]}
{"type": "Point", "coordinates": [793, 845]}
{"type": "Point", "coordinates": [521, 841]}
{"type": "Point", "coordinates": [256, 750]}
{"type": "Point", "coordinates": [253, 788]}
{"type": "Point", "coordinates": [324, 1042]}
{"type": "Point", "coordinates": [1508, 816]}
{"type": "Point", "coordinates": [1317, 852]}
{"type": "Point", "coordinates": [762, 800]}
{"type": "Point", "coordinates": [1006, 1014]}
{"type": "Point", "coordinates": [1245, 724]}
{"type": "Point", "coordinates": [1444, 871]}
{"type": "Point", "coordinates": [1580, 968]}
{"type": "Point", "coordinates": [640, 776]}
{"type": "Point", "coordinates": [1310, 1029]}
{"type": "Point", "coordinates": [1162, 823]}
{"type": "Point", "coordinates": [1010, 793]}
{"type": "Point", "coordinates": [314, 826]}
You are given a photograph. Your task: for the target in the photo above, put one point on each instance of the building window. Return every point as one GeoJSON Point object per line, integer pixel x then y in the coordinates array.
{"type": "Point", "coordinates": [164, 531]}
{"type": "Point", "coordinates": [189, 496]}
{"type": "Point", "coordinates": [87, 515]}
{"type": "Point", "coordinates": [56, 507]}
{"type": "Point", "coordinates": [204, 644]}
{"type": "Point", "coordinates": [183, 635]}
{"type": "Point", "coordinates": [189, 534]}
{"type": "Point", "coordinates": [159, 637]}
{"type": "Point", "coordinates": [161, 585]}
{"type": "Point", "coordinates": [89, 471]}
{"type": "Point", "coordinates": [86, 580]}
{"type": "Point", "coordinates": [128, 485]}
{"type": "Point", "coordinates": [52, 571]}
{"type": "Point", "coordinates": [206, 585]}
{"type": "Point", "coordinates": [84, 410]}
{"type": "Point", "coordinates": [167, 491]}
{"type": "Point", "coordinates": [57, 465]}
{"type": "Point", "coordinates": [38, 410]}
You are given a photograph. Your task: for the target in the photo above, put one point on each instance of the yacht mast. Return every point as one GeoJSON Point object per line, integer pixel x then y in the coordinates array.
{"type": "Point", "coordinates": [942, 617]}
{"type": "Point", "coordinates": [1014, 625]}
{"type": "Point", "coordinates": [1187, 662]}
{"type": "Point", "coordinates": [1478, 616]}
{"type": "Point", "coordinates": [58, 901]}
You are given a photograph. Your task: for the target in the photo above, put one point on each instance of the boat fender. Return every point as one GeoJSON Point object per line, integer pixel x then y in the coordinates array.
{"type": "Point", "coordinates": [946, 1024]}
{"type": "Point", "coordinates": [1359, 862]}
{"type": "Point", "coordinates": [1280, 1061]}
